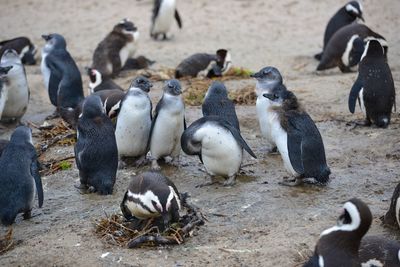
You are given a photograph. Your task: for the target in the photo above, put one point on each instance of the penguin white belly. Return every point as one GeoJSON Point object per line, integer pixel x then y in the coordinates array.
{"type": "Point", "coordinates": [18, 94]}
{"type": "Point", "coordinates": [133, 127]}
{"type": "Point", "coordinates": [45, 71]}
{"type": "Point", "coordinates": [129, 49]}
{"type": "Point", "coordinates": [361, 97]}
{"type": "Point", "coordinates": [3, 98]}
{"type": "Point", "coordinates": [165, 16]}
{"type": "Point", "coordinates": [279, 135]}
{"type": "Point", "coordinates": [139, 212]}
{"type": "Point", "coordinates": [262, 106]}
{"type": "Point", "coordinates": [220, 151]}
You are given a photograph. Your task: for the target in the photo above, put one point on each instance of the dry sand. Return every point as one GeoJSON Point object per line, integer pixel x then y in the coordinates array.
{"type": "Point", "coordinates": [257, 222]}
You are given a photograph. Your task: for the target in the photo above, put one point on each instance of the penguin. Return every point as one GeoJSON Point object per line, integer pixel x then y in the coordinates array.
{"type": "Point", "coordinates": [111, 100]}
{"type": "Point", "coordinates": [19, 177]}
{"type": "Point", "coordinates": [219, 146]}
{"type": "Point", "coordinates": [100, 82]}
{"type": "Point", "coordinates": [392, 216]}
{"type": "Point", "coordinates": [23, 46]}
{"type": "Point", "coordinates": [15, 91]}
{"type": "Point", "coordinates": [152, 195]}
{"type": "Point", "coordinates": [344, 16]}
{"type": "Point", "coordinates": [346, 46]}
{"type": "Point", "coordinates": [168, 124]}
{"type": "Point", "coordinates": [138, 63]}
{"type": "Point", "coordinates": [164, 12]}
{"type": "Point", "coordinates": [203, 64]}
{"type": "Point", "coordinates": [134, 121]}
{"type": "Point", "coordinates": [379, 251]}
{"type": "Point", "coordinates": [3, 145]}
{"type": "Point", "coordinates": [267, 78]}
{"type": "Point", "coordinates": [116, 48]}
{"type": "Point", "coordinates": [297, 138]}
{"type": "Point", "coordinates": [374, 87]}
{"type": "Point", "coordinates": [216, 102]}
{"type": "Point", "coordinates": [339, 245]}
{"type": "Point", "coordinates": [96, 152]}
{"type": "Point", "coordinates": [61, 76]}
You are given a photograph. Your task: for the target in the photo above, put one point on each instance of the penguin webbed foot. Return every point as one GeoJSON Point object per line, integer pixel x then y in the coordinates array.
{"type": "Point", "coordinates": [83, 189]}
{"type": "Point", "coordinates": [154, 165]}
{"type": "Point", "coordinates": [273, 150]}
{"type": "Point", "coordinates": [27, 215]}
{"type": "Point", "coordinates": [212, 181]}
{"type": "Point", "coordinates": [291, 182]}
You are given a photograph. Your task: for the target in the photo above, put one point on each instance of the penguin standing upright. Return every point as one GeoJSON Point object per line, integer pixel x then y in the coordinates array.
{"type": "Point", "coordinates": [164, 12]}
{"type": "Point", "coordinates": [152, 195]}
{"type": "Point", "coordinates": [392, 216]}
{"type": "Point", "coordinates": [61, 76]}
{"type": "Point", "coordinates": [216, 102]}
{"type": "Point", "coordinates": [14, 96]}
{"type": "Point", "coordinates": [218, 144]}
{"type": "Point", "coordinates": [267, 78]}
{"type": "Point", "coordinates": [379, 251]}
{"type": "Point", "coordinates": [3, 80]}
{"type": "Point", "coordinates": [24, 48]}
{"type": "Point", "coordinates": [100, 82]}
{"type": "Point", "coordinates": [134, 121]}
{"type": "Point", "coordinates": [344, 16]}
{"type": "Point", "coordinates": [116, 48]}
{"type": "Point", "coordinates": [168, 124]}
{"type": "Point", "coordinates": [374, 87]}
{"type": "Point", "coordinates": [19, 177]}
{"type": "Point", "coordinates": [338, 245]}
{"type": "Point", "coordinates": [96, 152]}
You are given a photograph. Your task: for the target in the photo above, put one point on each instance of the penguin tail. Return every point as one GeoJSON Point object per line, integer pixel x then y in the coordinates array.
{"type": "Point", "coordinates": [318, 56]}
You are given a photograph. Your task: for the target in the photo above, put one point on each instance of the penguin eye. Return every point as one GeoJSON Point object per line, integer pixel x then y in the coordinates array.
{"type": "Point", "coordinates": [170, 85]}
{"type": "Point", "coordinates": [276, 96]}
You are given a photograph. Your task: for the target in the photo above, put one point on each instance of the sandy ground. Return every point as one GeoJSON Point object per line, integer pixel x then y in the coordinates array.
{"type": "Point", "coordinates": [257, 222]}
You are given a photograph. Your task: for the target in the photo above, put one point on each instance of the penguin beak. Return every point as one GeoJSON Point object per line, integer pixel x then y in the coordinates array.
{"type": "Point", "coordinates": [269, 96]}
{"type": "Point", "coordinates": [255, 75]}
{"type": "Point", "coordinates": [166, 219]}
{"type": "Point", "coordinates": [361, 17]}
{"type": "Point", "coordinates": [46, 37]}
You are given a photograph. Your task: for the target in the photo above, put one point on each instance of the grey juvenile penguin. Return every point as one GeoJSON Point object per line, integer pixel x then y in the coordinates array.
{"type": "Point", "coordinates": [116, 48]}
{"type": "Point", "coordinates": [164, 12]}
{"type": "Point", "coordinates": [378, 251]}
{"type": "Point", "coordinates": [96, 151]}
{"type": "Point", "coordinates": [61, 76]}
{"type": "Point", "coordinates": [24, 48]}
{"type": "Point", "coordinates": [14, 96]}
{"type": "Point", "coordinates": [374, 87]}
{"type": "Point", "coordinates": [151, 195]}
{"type": "Point", "coordinates": [168, 124]}
{"type": "Point", "coordinates": [344, 16]}
{"type": "Point", "coordinates": [19, 177]}
{"type": "Point", "coordinates": [216, 102]}
{"type": "Point", "coordinates": [100, 82]}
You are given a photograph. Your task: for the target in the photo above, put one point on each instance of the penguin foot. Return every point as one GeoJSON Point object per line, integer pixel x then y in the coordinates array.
{"type": "Point", "coordinates": [121, 164]}
{"type": "Point", "coordinates": [27, 215]}
{"type": "Point", "coordinates": [273, 150]}
{"type": "Point", "coordinates": [82, 188]}
{"type": "Point", "coordinates": [154, 165]}
{"type": "Point", "coordinates": [292, 182]}
{"type": "Point", "coordinates": [231, 181]}
{"type": "Point", "coordinates": [91, 189]}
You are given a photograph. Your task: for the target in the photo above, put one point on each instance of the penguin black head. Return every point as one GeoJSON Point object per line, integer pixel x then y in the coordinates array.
{"type": "Point", "coordinates": [217, 89]}
{"type": "Point", "coordinates": [283, 98]}
{"type": "Point", "coordinates": [373, 48]}
{"type": "Point", "coordinates": [94, 75]}
{"type": "Point", "coordinates": [173, 87]}
{"type": "Point", "coordinates": [127, 27]}
{"type": "Point", "coordinates": [268, 77]}
{"type": "Point", "coordinates": [224, 59]}
{"type": "Point", "coordinates": [142, 83]}
{"type": "Point", "coordinates": [54, 41]}
{"type": "Point", "coordinates": [22, 134]}
{"type": "Point", "coordinates": [354, 9]}
{"type": "Point", "coordinates": [28, 58]}
{"type": "Point", "coordinates": [92, 106]}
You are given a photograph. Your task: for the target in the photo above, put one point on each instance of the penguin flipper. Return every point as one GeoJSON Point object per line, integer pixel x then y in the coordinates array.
{"type": "Point", "coordinates": [178, 19]}
{"type": "Point", "coordinates": [294, 143]}
{"type": "Point", "coordinates": [355, 90]}
{"type": "Point", "coordinates": [54, 80]}
{"type": "Point", "coordinates": [38, 180]}
{"type": "Point", "coordinates": [153, 121]}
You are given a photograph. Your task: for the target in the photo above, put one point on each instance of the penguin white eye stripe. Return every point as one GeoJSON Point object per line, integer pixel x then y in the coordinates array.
{"type": "Point", "coordinates": [349, 46]}
{"type": "Point", "coordinates": [146, 199]}
{"type": "Point", "coordinates": [350, 7]}
{"type": "Point", "coordinates": [397, 211]}
{"type": "Point", "coordinates": [171, 195]}
{"type": "Point", "coordinates": [365, 51]}
{"type": "Point", "coordinates": [355, 220]}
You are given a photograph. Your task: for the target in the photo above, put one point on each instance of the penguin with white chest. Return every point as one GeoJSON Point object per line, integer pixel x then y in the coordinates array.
{"type": "Point", "coordinates": [168, 124]}
{"type": "Point", "coordinates": [62, 77]}
{"type": "Point", "coordinates": [339, 245]}
{"type": "Point", "coordinates": [116, 48]}
{"type": "Point", "coordinates": [96, 152]}
{"type": "Point", "coordinates": [134, 121]}
{"type": "Point", "coordinates": [100, 82]}
{"type": "Point", "coordinates": [152, 195]}
{"type": "Point", "coordinates": [164, 12]}
{"type": "Point", "coordinates": [374, 87]}
{"type": "Point", "coordinates": [19, 177]}
{"type": "Point", "coordinates": [344, 16]}
{"type": "Point", "coordinates": [14, 96]}
{"type": "Point", "coordinates": [297, 138]}
{"type": "Point", "coordinates": [219, 146]}
{"type": "Point", "coordinates": [3, 80]}
{"type": "Point", "coordinates": [376, 251]}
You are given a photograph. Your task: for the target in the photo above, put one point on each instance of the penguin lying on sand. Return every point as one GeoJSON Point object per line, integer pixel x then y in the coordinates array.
{"type": "Point", "coordinates": [202, 64]}
{"type": "Point", "coordinates": [374, 87]}
{"type": "Point", "coordinates": [24, 48]}
{"type": "Point", "coordinates": [100, 82]}
{"type": "Point", "coordinates": [164, 12]}
{"type": "Point", "coordinates": [378, 251]}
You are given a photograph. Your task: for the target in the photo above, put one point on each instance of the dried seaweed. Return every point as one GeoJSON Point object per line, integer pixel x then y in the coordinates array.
{"type": "Point", "coordinates": [7, 243]}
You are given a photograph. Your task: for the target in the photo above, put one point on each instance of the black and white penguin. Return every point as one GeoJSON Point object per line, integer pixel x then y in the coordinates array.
{"type": "Point", "coordinates": [297, 138]}
{"type": "Point", "coordinates": [3, 145]}
{"type": "Point", "coordinates": [151, 195]}
{"type": "Point", "coordinates": [98, 82]}
{"type": "Point", "coordinates": [116, 48]}
{"type": "Point", "coordinates": [392, 216]}
{"type": "Point", "coordinates": [339, 245]}
{"type": "Point", "coordinates": [344, 16]}
{"type": "Point", "coordinates": [14, 96]}
{"type": "Point", "coordinates": [61, 76]}
{"type": "Point", "coordinates": [168, 124]}
{"type": "Point", "coordinates": [378, 251]}
{"type": "Point", "coordinates": [345, 48]}
{"type": "Point", "coordinates": [164, 12]}
{"type": "Point", "coordinates": [216, 102]}
{"type": "Point", "coordinates": [19, 177]}
{"type": "Point", "coordinates": [219, 146]}
{"type": "Point", "coordinates": [96, 152]}
{"type": "Point", "coordinates": [23, 46]}
{"type": "Point", "coordinates": [203, 64]}
{"type": "Point", "coordinates": [134, 121]}
{"type": "Point", "coordinates": [267, 78]}
{"type": "Point", "coordinates": [374, 87]}
{"type": "Point", "coordinates": [111, 100]}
